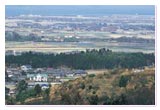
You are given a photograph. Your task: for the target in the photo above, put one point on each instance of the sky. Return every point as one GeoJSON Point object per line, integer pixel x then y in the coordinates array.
{"type": "Point", "coordinates": [86, 10]}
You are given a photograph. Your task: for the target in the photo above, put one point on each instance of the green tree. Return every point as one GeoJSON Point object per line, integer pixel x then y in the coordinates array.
{"type": "Point", "coordinates": [37, 89]}
{"type": "Point", "coordinates": [6, 90]}
{"type": "Point", "coordinates": [93, 100]}
{"type": "Point", "coordinates": [22, 86]}
{"type": "Point", "coordinates": [123, 81]}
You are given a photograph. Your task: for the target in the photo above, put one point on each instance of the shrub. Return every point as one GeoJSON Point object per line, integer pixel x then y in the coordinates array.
{"type": "Point", "coordinates": [82, 86]}
{"type": "Point", "coordinates": [91, 75]}
{"type": "Point", "coordinates": [93, 100]}
{"type": "Point", "coordinates": [123, 81]}
{"type": "Point", "coordinates": [90, 87]}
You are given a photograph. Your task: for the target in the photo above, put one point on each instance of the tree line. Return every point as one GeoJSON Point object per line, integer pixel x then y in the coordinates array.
{"type": "Point", "coordinates": [89, 59]}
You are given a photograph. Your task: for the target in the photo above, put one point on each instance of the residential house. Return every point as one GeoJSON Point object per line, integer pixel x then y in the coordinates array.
{"type": "Point", "coordinates": [79, 72]}
{"type": "Point", "coordinates": [43, 85]}
{"type": "Point", "coordinates": [38, 77]}
{"type": "Point", "coordinates": [26, 67]}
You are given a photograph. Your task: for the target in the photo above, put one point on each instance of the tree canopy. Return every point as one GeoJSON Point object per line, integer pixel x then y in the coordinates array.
{"type": "Point", "coordinates": [91, 59]}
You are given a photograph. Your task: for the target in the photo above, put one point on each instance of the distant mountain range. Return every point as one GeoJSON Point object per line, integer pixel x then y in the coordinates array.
{"type": "Point", "coordinates": [86, 10]}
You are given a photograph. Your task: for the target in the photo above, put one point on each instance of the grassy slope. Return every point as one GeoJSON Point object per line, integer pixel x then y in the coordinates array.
{"type": "Point", "coordinates": [105, 88]}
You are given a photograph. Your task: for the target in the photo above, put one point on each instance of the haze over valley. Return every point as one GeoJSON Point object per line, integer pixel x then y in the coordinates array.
{"type": "Point", "coordinates": [80, 55]}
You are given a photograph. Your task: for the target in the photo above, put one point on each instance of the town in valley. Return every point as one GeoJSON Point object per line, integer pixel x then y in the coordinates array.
{"type": "Point", "coordinates": [48, 57]}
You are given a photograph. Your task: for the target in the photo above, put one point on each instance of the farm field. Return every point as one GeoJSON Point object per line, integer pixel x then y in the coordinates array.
{"type": "Point", "coordinates": [58, 47]}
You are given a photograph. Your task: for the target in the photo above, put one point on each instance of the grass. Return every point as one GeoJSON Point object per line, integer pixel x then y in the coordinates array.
{"type": "Point", "coordinates": [108, 84]}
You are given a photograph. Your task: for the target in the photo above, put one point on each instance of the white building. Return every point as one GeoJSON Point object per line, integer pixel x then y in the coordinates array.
{"type": "Point", "coordinates": [38, 77]}
{"type": "Point", "coordinates": [26, 67]}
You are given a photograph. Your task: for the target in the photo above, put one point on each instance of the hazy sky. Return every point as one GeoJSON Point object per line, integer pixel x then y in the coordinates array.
{"type": "Point", "coordinates": [94, 10]}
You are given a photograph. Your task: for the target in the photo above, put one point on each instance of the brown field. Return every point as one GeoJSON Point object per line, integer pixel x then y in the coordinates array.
{"type": "Point", "coordinates": [101, 71]}
{"type": "Point", "coordinates": [59, 47]}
